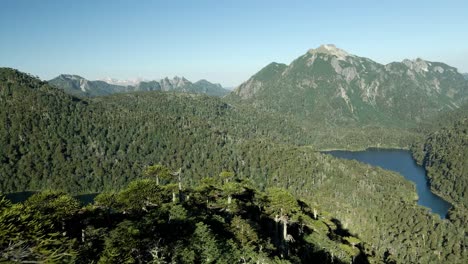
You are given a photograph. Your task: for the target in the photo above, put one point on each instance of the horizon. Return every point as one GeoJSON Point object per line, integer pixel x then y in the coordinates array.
{"type": "Point", "coordinates": [223, 43]}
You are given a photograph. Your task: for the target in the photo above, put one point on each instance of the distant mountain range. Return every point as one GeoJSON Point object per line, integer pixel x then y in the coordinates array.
{"type": "Point", "coordinates": [330, 86]}
{"type": "Point", "coordinates": [465, 75]}
{"type": "Point", "coordinates": [79, 86]}
{"type": "Point", "coordinates": [130, 82]}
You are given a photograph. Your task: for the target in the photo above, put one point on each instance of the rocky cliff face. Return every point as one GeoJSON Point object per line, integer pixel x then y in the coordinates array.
{"type": "Point", "coordinates": [173, 84]}
{"type": "Point", "coordinates": [79, 86]}
{"type": "Point", "coordinates": [331, 85]}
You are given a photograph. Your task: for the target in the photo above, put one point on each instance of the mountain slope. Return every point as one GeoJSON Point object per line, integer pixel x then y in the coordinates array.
{"type": "Point", "coordinates": [79, 86]}
{"type": "Point", "coordinates": [329, 86]}
{"type": "Point", "coordinates": [206, 87]}
{"type": "Point", "coordinates": [444, 154]}
{"type": "Point", "coordinates": [95, 144]}
{"type": "Point", "coordinates": [144, 224]}
{"type": "Point", "coordinates": [93, 136]}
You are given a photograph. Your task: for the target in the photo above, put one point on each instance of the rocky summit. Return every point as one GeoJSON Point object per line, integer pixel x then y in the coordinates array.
{"type": "Point", "coordinates": [79, 86]}
{"type": "Point", "coordinates": [330, 85]}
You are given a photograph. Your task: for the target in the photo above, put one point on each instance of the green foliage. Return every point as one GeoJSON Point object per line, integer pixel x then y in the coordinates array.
{"type": "Point", "coordinates": [206, 244]}
{"type": "Point", "coordinates": [281, 202]}
{"type": "Point", "coordinates": [157, 172]}
{"type": "Point", "coordinates": [37, 229]}
{"type": "Point", "coordinates": [92, 145]}
{"type": "Point", "coordinates": [444, 154]}
{"type": "Point", "coordinates": [226, 176]}
{"type": "Point", "coordinates": [140, 195]}
{"type": "Point", "coordinates": [102, 144]}
{"type": "Point", "coordinates": [121, 246]}
{"type": "Point", "coordinates": [114, 230]}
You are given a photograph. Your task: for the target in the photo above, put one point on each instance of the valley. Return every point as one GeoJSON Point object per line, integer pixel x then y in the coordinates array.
{"type": "Point", "coordinates": [270, 133]}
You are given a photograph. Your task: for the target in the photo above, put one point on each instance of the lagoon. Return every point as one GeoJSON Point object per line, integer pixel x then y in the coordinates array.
{"type": "Point", "coordinates": [402, 162]}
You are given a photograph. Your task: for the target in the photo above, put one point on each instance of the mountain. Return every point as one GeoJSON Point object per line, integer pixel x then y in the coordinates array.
{"type": "Point", "coordinates": [79, 86]}
{"type": "Point", "coordinates": [173, 84]}
{"type": "Point", "coordinates": [52, 140]}
{"type": "Point", "coordinates": [205, 87]}
{"type": "Point", "coordinates": [114, 81]}
{"type": "Point", "coordinates": [328, 85]}
{"type": "Point", "coordinates": [465, 75]}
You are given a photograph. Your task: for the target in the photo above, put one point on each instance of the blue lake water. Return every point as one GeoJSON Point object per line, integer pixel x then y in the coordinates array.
{"type": "Point", "coordinates": [20, 197]}
{"type": "Point", "coordinates": [402, 162]}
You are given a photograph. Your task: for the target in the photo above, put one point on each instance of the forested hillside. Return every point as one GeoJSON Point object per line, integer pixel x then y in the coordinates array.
{"type": "Point", "coordinates": [348, 97]}
{"type": "Point", "coordinates": [444, 154]}
{"type": "Point", "coordinates": [222, 220]}
{"type": "Point", "coordinates": [101, 144]}
{"type": "Point", "coordinates": [92, 144]}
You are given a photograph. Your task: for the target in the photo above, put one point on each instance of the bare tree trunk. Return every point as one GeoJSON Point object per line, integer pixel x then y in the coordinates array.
{"type": "Point", "coordinates": [285, 228]}
{"type": "Point", "coordinates": [179, 176]}
{"type": "Point", "coordinates": [277, 236]}
{"type": "Point", "coordinates": [180, 180]}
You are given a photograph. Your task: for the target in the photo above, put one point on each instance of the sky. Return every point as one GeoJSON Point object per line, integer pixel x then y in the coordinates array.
{"type": "Point", "coordinates": [222, 41]}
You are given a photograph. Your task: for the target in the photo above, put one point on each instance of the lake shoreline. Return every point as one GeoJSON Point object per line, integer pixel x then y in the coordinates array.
{"type": "Point", "coordinates": [365, 149]}
{"type": "Point", "coordinates": [401, 161]}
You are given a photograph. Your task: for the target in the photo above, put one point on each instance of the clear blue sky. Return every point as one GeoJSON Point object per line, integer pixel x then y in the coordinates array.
{"type": "Point", "coordinates": [222, 41]}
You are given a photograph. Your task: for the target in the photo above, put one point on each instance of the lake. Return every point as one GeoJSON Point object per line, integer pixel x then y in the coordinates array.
{"type": "Point", "coordinates": [20, 197]}
{"type": "Point", "coordinates": [402, 162]}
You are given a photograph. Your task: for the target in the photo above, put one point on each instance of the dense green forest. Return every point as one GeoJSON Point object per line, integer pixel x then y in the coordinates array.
{"type": "Point", "coordinates": [87, 145]}
{"type": "Point", "coordinates": [81, 146]}
{"type": "Point", "coordinates": [444, 154]}
{"type": "Point", "coordinates": [222, 220]}
{"type": "Point", "coordinates": [101, 144]}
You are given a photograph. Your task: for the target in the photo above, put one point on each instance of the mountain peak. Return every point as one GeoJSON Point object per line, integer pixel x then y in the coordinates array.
{"type": "Point", "coordinates": [418, 65]}
{"type": "Point", "coordinates": [71, 77]}
{"type": "Point", "coordinates": [330, 49]}
{"type": "Point", "coordinates": [128, 82]}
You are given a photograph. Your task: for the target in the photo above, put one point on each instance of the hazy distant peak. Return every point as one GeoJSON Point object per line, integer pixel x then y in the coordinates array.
{"type": "Point", "coordinates": [203, 81]}
{"type": "Point", "coordinates": [176, 82]}
{"type": "Point", "coordinates": [417, 60]}
{"type": "Point", "coordinates": [420, 65]}
{"type": "Point", "coordinates": [71, 77]}
{"type": "Point", "coordinates": [330, 49]}
{"type": "Point", "coordinates": [206, 82]}
{"type": "Point", "coordinates": [115, 81]}
{"type": "Point", "coordinates": [179, 78]}
{"type": "Point", "coordinates": [417, 64]}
